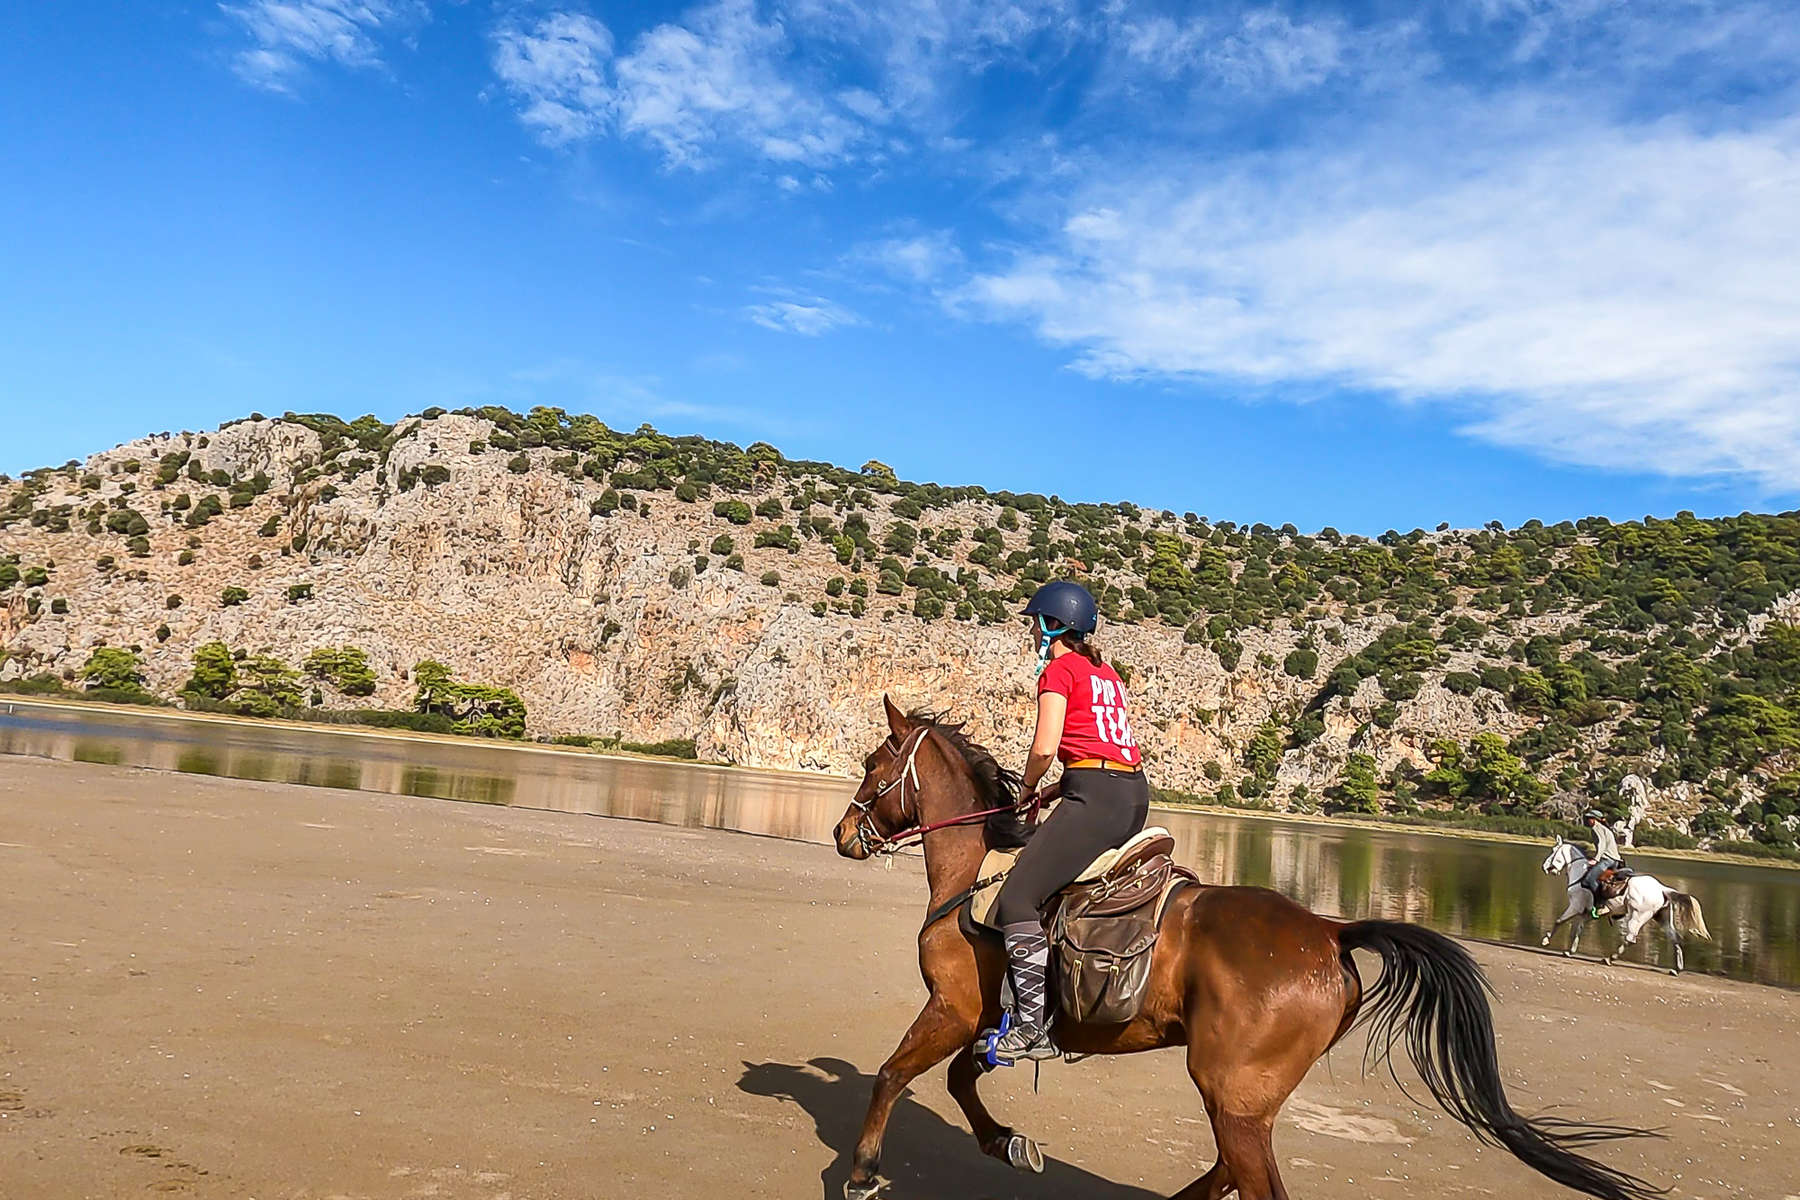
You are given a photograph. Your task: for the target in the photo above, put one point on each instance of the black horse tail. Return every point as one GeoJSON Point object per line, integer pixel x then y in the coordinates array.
{"type": "Point", "coordinates": [1432, 994]}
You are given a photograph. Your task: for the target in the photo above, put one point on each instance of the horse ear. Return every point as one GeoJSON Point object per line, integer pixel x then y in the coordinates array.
{"type": "Point", "coordinates": [897, 722]}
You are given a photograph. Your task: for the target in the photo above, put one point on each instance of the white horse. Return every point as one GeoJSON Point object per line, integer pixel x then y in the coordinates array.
{"type": "Point", "coordinates": [1645, 899]}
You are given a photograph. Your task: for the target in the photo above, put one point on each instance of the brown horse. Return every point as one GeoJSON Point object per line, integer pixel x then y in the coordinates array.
{"type": "Point", "coordinates": [1256, 987]}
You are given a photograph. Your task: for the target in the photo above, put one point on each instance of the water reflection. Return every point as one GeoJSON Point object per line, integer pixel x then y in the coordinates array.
{"type": "Point", "coordinates": [1483, 889]}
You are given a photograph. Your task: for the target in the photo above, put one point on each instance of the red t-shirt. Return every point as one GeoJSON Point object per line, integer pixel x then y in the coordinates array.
{"type": "Point", "coordinates": [1096, 726]}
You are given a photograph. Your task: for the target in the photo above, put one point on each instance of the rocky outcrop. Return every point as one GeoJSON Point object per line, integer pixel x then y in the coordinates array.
{"type": "Point", "coordinates": [625, 622]}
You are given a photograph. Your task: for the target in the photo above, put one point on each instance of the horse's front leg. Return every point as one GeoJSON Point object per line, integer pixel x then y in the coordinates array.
{"type": "Point", "coordinates": [936, 1033]}
{"type": "Point", "coordinates": [1581, 920]}
{"type": "Point", "coordinates": [1570, 913]}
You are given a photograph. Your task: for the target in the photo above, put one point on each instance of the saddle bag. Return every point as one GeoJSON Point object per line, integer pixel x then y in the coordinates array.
{"type": "Point", "coordinates": [1103, 934]}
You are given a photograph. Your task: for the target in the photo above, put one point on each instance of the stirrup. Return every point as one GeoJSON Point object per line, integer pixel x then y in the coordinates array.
{"type": "Point", "coordinates": [989, 1056]}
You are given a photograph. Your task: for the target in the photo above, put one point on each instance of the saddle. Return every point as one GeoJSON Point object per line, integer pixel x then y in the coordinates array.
{"type": "Point", "coordinates": [1102, 927]}
{"type": "Point", "coordinates": [1612, 883]}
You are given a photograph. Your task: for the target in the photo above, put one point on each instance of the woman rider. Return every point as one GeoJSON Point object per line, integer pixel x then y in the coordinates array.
{"type": "Point", "coordinates": [1081, 720]}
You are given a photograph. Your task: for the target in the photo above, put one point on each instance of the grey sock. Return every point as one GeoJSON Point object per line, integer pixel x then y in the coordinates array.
{"type": "Point", "coordinates": [1028, 963]}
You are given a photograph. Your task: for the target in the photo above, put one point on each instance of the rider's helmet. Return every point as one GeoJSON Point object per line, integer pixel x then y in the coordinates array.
{"type": "Point", "coordinates": [1593, 814]}
{"type": "Point", "coordinates": [1061, 607]}
{"type": "Point", "coordinates": [1067, 607]}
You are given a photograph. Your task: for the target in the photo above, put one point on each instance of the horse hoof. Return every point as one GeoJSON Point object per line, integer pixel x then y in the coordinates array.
{"type": "Point", "coordinates": [864, 1191]}
{"type": "Point", "coordinates": [1674, 970]}
{"type": "Point", "coordinates": [1024, 1155]}
{"type": "Point", "coordinates": [1607, 960]}
{"type": "Point", "coordinates": [1568, 954]}
{"type": "Point", "coordinates": [1546, 940]}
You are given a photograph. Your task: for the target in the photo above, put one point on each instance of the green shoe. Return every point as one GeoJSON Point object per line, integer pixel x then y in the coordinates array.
{"type": "Point", "coordinates": [1595, 913]}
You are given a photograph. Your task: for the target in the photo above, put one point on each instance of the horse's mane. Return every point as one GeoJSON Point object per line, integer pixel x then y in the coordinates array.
{"type": "Point", "coordinates": [999, 787]}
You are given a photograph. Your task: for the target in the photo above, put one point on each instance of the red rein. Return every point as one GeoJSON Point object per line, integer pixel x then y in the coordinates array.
{"type": "Point", "coordinates": [890, 845]}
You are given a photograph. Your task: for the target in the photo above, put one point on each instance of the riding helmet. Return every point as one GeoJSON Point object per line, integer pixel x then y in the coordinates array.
{"type": "Point", "coordinates": [1593, 814]}
{"type": "Point", "coordinates": [1066, 604]}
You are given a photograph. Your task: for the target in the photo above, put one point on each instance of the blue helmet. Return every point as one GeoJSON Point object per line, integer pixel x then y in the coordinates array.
{"type": "Point", "coordinates": [1067, 607]}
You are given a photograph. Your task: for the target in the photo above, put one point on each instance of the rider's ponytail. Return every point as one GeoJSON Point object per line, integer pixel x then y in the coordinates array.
{"type": "Point", "coordinates": [1080, 645]}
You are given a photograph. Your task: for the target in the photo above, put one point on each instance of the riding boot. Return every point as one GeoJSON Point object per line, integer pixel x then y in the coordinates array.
{"type": "Point", "coordinates": [1027, 1035]}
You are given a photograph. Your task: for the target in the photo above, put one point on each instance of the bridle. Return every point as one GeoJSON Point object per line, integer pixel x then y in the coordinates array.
{"type": "Point", "coordinates": [906, 754]}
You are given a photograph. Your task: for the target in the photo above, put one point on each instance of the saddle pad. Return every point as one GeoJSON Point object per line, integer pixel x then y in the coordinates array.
{"type": "Point", "coordinates": [993, 868]}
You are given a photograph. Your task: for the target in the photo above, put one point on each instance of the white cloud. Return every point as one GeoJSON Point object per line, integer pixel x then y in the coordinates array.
{"type": "Point", "coordinates": [1263, 51]}
{"type": "Point", "coordinates": [719, 77]}
{"type": "Point", "coordinates": [808, 316]}
{"type": "Point", "coordinates": [920, 258]}
{"type": "Point", "coordinates": [287, 34]}
{"type": "Point", "coordinates": [556, 68]}
{"type": "Point", "coordinates": [1607, 296]}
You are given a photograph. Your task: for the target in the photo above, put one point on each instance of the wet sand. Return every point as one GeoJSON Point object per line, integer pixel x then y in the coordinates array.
{"type": "Point", "coordinates": [225, 989]}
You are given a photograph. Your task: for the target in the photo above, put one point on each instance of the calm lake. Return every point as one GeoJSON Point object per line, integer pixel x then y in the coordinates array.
{"type": "Point", "coordinates": [1490, 890]}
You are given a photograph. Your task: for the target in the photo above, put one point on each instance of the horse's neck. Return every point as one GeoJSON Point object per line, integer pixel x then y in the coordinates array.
{"type": "Point", "coordinates": [953, 854]}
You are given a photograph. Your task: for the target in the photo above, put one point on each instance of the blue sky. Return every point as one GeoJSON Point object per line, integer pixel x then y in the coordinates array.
{"type": "Point", "coordinates": [1365, 265]}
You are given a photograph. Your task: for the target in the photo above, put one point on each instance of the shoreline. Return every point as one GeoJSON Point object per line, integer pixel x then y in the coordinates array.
{"type": "Point", "coordinates": [1480, 835]}
{"type": "Point", "coordinates": [405, 735]}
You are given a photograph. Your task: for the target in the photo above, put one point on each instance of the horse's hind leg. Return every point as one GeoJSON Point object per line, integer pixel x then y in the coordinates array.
{"type": "Point", "coordinates": [1668, 924]}
{"type": "Point", "coordinates": [1247, 1153]}
{"type": "Point", "coordinates": [996, 1140]}
{"type": "Point", "coordinates": [936, 1033]}
{"type": "Point", "coordinates": [1213, 1185]}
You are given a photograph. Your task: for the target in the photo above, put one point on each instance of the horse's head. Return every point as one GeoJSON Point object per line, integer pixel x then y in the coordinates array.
{"type": "Point", "coordinates": [1560, 856]}
{"type": "Point", "coordinates": [887, 799]}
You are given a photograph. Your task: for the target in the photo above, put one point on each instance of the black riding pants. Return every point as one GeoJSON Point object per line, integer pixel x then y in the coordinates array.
{"type": "Point", "coordinates": [1100, 810]}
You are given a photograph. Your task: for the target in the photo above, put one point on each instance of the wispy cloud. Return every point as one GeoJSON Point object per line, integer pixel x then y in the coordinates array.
{"type": "Point", "coordinates": [557, 70]}
{"type": "Point", "coordinates": [919, 258]}
{"type": "Point", "coordinates": [286, 35]}
{"type": "Point", "coordinates": [808, 316]}
{"type": "Point", "coordinates": [1619, 297]}
{"type": "Point", "coordinates": [721, 77]}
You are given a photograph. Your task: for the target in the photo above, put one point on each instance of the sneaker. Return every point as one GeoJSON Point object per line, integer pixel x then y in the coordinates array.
{"type": "Point", "coordinates": [1011, 1043]}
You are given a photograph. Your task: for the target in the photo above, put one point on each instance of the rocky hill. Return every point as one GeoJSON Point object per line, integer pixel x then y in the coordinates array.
{"type": "Point", "coordinates": [635, 586]}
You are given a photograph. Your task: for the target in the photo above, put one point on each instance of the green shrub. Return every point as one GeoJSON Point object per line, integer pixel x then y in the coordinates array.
{"type": "Point", "coordinates": [669, 748]}
{"type": "Point", "coordinates": [1301, 663]}
{"type": "Point", "coordinates": [231, 597]}
{"type": "Point", "coordinates": [735, 511]}
{"type": "Point", "coordinates": [1463, 683]}
{"type": "Point", "coordinates": [771, 579]}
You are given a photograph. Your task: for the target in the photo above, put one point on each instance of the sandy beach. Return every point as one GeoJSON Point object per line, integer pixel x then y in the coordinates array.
{"type": "Point", "coordinates": [226, 989]}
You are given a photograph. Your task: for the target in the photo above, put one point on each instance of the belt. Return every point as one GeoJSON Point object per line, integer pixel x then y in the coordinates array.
{"type": "Point", "coordinates": [1081, 764]}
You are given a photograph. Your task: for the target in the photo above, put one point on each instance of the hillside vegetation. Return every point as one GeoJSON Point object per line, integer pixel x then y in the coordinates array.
{"type": "Point", "coordinates": [1509, 674]}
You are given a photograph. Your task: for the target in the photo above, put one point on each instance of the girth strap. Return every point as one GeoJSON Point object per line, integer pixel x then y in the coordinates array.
{"type": "Point", "coordinates": [939, 912]}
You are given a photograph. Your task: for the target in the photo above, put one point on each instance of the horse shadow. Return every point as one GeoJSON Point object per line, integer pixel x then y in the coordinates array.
{"type": "Point", "coordinates": [923, 1154]}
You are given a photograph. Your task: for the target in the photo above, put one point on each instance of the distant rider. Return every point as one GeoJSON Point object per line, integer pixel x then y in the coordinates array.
{"type": "Point", "coordinates": [1081, 720]}
{"type": "Point", "coordinates": [1604, 856]}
